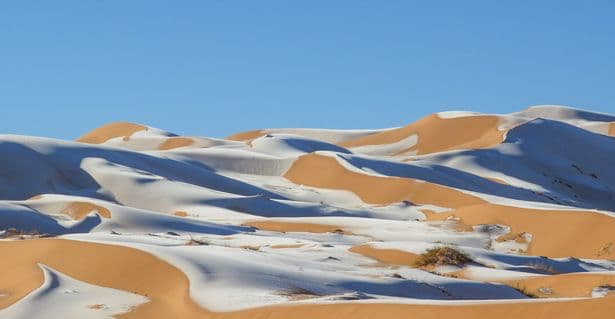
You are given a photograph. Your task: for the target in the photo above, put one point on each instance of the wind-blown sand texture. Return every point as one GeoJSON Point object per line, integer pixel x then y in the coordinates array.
{"type": "Point", "coordinates": [131, 221]}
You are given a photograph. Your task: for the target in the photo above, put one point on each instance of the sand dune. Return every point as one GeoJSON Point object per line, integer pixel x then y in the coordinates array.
{"type": "Point", "coordinates": [78, 210]}
{"type": "Point", "coordinates": [175, 142]}
{"type": "Point", "coordinates": [580, 234]}
{"type": "Point", "coordinates": [565, 285]}
{"type": "Point", "coordinates": [103, 265]}
{"type": "Point", "coordinates": [167, 288]}
{"type": "Point", "coordinates": [111, 130]}
{"type": "Point", "coordinates": [587, 233]}
{"type": "Point", "coordinates": [324, 135]}
{"type": "Point", "coordinates": [246, 136]}
{"type": "Point", "coordinates": [326, 172]}
{"type": "Point", "coordinates": [588, 308]}
{"type": "Point", "coordinates": [437, 134]}
{"type": "Point", "coordinates": [387, 256]}
{"type": "Point", "coordinates": [315, 223]}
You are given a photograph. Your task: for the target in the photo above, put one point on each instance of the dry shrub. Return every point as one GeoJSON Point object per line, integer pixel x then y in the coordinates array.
{"type": "Point", "coordinates": [524, 290]}
{"type": "Point", "coordinates": [442, 256]}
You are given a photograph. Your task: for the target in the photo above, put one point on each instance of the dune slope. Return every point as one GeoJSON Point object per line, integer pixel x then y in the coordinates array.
{"type": "Point", "coordinates": [456, 215]}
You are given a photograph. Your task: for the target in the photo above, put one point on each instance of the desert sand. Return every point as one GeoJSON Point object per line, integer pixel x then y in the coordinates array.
{"type": "Point", "coordinates": [132, 221]}
{"type": "Point", "coordinates": [112, 130]}
{"type": "Point", "coordinates": [175, 142]}
{"type": "Point", "coordinates": [438, 134]}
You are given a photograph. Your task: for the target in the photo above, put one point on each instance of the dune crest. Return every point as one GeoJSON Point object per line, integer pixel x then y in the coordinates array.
{"type": "Point", "coordinates": [78, 210]}
{"type": "Point", "coordinates": [175, 142]}
{"type": "Point", "coordinates": [325, 172]}
{"type": "Point", "coordinates": [457, 215]}
{"type": "Point", "coordinates": [436, 134]}
{"type": "Point", "coordinates": [246, 136]}
{"type": "Point", "coordinates": [111, 130]}
{"type": "Point", "coordinates": [102, 265]}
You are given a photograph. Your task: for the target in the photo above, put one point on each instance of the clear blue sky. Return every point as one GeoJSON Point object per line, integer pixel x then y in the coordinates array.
{"type": "Point", "coordinates": [217, 67]}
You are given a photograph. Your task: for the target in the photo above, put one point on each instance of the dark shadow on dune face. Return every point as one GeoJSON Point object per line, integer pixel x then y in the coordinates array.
{"type": "Point", "coordinates": [25, 172]}
{"type": "Point", "coordinates": [266, 207]}
{"type": "Point", "coordinates": [30, 221]}
{"type": "Point", "coordinates": [567, 161]}
{"type": "Point", "coordinates": [542, 265]}
{"type": "Point", "coordinates": [52, 282]}
{"type": "Point", "coordinates": [197, 227]}
{"type": "Point", "coordinates": [446, 289]}
{"type": "Point", "coordinates": [453, 289]}
{"type": "Point", "coordinates": [309, 146]}
{"type": "Point", "coordinates": [203, 229]}
{"type": "Point", "coordinates": [398, 288]}
{"type": "Point", "coordinates": [443, 175]}
{"type": "Point", "coordinates": [589, 116]}
{"type": "Point", "coordinates": [559, 157]}
{"type": "Point", "coordinates": [549, 112]}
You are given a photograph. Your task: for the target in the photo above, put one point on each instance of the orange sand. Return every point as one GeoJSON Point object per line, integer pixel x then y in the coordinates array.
{"type": "Point", "coordinates": [175, 142]}
{"type": "Point", "coordinates": [109, 131]}
{"type": "Point", "coordinates": [78, 210]}
{"type": "Point", "coordinates": [386, 256]}
{"type": "Point", "coordinates": [436, 134]}
{"type": "Point", "coordinates": [581, 234]}
{"type": "Point", "coordinates": [180, 213]}
{"type": "Point", "coordinates": [325, 172]}
{"type": "Point", "coordinates": [587, 309]}
{"type": "Point", "coordinates": [565, 285]}
{"type": "Point", "coordinates": [168, 288]}
{"type": "Point", "coordinates": [103, 265]}
{"type": "Point", "coordinates": [246, 136]}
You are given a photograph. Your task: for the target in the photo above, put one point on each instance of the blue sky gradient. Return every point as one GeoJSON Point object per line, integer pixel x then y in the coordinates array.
{"type": "Point", "coordinates": [218, 67]}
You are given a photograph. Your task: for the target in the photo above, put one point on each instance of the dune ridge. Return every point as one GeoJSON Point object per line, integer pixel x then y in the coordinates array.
{"type": "Point", "coordinates": [175, 142]}
{"type": "Point", "coordinates": [305, 223]}
{"type": "Point", "coordinates": [325, 172]}
{"type": "Point", "coordinates": [111, 130]}
{"type": "Point", "coordinates": [114, 266]}
{"type": "Point", "coordinates": [437, 134]}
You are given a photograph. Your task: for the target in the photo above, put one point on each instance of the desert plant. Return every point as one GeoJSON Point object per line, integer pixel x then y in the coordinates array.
{"type": "Point", "coordinates": [297, 293]}
{"type": "Point", "coordinates": [544, 267]}
{"type": "Point", "coordinates": [196, 242]}
{"type": "Point", "coordinates": [524, 290]}
{"type": "Point", "coordinates": [14, 233]}
{"type": "Point", "coordinates": [440, 256]}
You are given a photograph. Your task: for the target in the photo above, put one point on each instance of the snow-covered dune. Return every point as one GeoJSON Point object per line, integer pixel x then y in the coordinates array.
{"type": "Point", "coordinates": [457, 215]}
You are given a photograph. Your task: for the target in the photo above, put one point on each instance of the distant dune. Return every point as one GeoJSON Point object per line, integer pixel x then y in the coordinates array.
{"type": "Point", "coordinates": [456, 215]}
{"type": "Point", "coordinates": [112, 130]}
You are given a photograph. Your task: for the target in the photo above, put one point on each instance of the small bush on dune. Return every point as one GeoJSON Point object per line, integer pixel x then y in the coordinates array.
{"type": "Point", "coordinates": [297, 293]}
{"type": "Point", "coordinates": [13, 233]}
{"type": "Point", "coordinates": [544, 267]}
{"type": "Point", "coordinates": [196, 242]}
{"type": "Point", "coordinates": [524, 291]}
{"type": "Point", "coordinates": [441, 256]}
